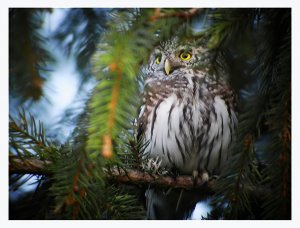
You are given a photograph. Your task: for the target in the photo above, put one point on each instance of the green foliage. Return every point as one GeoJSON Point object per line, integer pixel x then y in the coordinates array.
{"type": "Point", "coordinates": [276, 85]}
{"type": "Point", "coordinates": [86, 26]}
{"type": "Point", "coordinates": [227, 25]}
{"type": "Point", "coordinates": [77, 188]}
{"type": "Point", "coordinates": [27, 139]}
{"type": "Point", "coordinates": [257, 183]}
{"type": "Point", "coordinates": [81, 192]}
{"type": "Point", "coordinates": [28, 57]}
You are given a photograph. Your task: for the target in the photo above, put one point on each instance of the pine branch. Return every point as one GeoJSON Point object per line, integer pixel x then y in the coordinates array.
{"type": "Point", "coordinates": [137, 177]}
{"type": "Point", "coordinates": [130, 176]}
{"type": "Point", "coordinates": [184, 14]}
{"type": "Point", "coordinates": [28, 138]}
{"type": "Point", "coordinates": [29, 165]}
{"type": "Point", "coordinates": [28, 59]}
{"type": "Point", "coordinates": [39, 167]}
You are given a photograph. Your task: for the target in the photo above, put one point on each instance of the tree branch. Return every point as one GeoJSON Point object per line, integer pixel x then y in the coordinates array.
{"type": "Point", "coordinates": [126, 176]}
{"type": "Point", "coordinates": [138, 177]}
{"type": "Point", "coordinates": [28, 166]}
{"type": "Point", "coordinates": [39, 167]}
{"type": "Point", "coordinates": [186, 14]}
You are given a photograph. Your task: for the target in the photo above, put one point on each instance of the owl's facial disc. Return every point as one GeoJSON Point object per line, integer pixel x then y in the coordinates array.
{"type": "Point", "coordinates": [167, 63]}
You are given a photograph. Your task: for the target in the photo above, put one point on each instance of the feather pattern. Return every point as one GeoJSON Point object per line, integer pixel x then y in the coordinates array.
{"type": "Point", "coordinates": [188, 117]}
{"type": "Point", "coordinates": [186, 132]}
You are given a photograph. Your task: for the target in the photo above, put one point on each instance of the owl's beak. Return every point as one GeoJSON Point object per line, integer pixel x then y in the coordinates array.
{"type": "Point", "coordinates": [168, 67]}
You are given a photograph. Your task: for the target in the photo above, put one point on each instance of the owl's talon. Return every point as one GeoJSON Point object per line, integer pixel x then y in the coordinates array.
{"type": "Point", "coordinates": [205, 177]}
{"type": "Point", "coordinates": [195, 177]}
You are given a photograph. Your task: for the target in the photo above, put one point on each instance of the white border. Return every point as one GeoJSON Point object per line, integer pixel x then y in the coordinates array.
{"type": "Point", "coordinates": [149, 3]}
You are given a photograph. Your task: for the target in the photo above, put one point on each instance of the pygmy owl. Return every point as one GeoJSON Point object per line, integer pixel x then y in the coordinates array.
{"type": "Point", "coordinates": [188, 115]}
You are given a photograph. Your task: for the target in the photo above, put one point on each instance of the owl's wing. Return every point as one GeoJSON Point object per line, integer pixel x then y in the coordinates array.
{"type": "Point", "coordinates": [141, 123]}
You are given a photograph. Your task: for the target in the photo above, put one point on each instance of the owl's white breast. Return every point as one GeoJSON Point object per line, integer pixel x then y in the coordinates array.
{"type": "Point", "coordinates": [202, 147]}
{"type": "Point", "coordinates": [163, 142]}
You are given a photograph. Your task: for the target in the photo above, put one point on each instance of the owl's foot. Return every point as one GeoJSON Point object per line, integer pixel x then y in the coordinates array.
{"type": "Point", "coordinates": [204, 177]}
{"type": "Point", "coordinates": [195, 177]}
{"type": "Point", "coordinates": [153, 166]}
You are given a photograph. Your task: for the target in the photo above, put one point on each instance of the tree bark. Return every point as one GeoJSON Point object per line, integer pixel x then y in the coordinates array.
{"type": "Point", "coordinates": [120, 175]}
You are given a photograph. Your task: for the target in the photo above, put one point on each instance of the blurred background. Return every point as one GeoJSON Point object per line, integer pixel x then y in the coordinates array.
{"type": "Point", "coordinates": [61, 42]}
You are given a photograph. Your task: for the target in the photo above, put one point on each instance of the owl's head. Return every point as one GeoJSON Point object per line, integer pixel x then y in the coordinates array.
{"type": "Point", "coordinates": [172, 59]}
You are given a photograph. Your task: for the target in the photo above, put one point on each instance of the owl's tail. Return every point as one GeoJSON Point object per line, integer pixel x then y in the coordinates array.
{"type": "Point", "coordinates": [173, 204]}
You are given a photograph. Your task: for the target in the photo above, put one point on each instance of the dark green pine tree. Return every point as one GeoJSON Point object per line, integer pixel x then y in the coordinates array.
{"type": "Point", "coordinates": [97, 173]}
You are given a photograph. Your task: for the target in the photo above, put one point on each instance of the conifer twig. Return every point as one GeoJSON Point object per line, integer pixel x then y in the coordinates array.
{"type": "Point", "coordinates": [185, 14]}
{"type": "Point", "coordinates": [39, 167]}
{"type": "Point", "coordinates": [128, 176]}
{"type": "Point", "coordinates": [28, 166]}
{"type": "Point", "coordinates": [139, 177]}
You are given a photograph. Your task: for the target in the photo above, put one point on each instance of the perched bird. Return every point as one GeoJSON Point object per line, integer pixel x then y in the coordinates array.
{"type": "Point", "coordinates": [188, 118]}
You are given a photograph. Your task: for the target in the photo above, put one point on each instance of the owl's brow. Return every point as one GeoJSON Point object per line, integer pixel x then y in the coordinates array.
{"type": "Point", "coordinates": [186, 48]}
{"type": "Point", "coordinates": [157, 50]}
{"type": "Point", "coordinates": [167, 43]}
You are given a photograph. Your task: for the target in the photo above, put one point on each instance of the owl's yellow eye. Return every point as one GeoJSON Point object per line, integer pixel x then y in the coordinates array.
{"type": "Point", "coordinates": [185, 56]}
{"type": "Point", "coordinates": [158, 59]}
